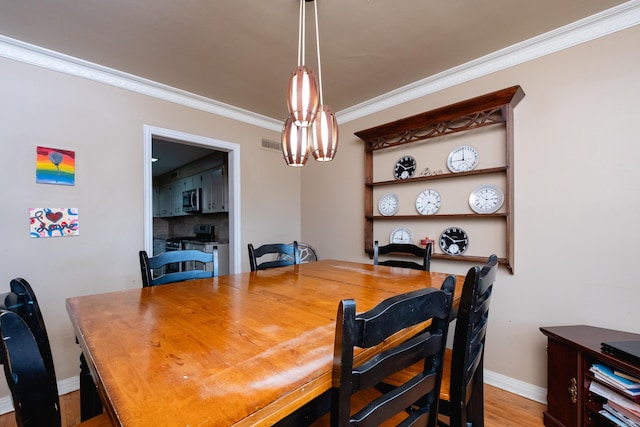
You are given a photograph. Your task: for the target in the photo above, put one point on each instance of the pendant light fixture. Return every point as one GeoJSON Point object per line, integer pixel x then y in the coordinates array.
{"type": "Point", "coordinates": [303, 90]}
{"type": "Point", "coordinates": [324, 133]}
{"type": "Point", "coordinates": [310, 123]}
{"type": "Point", "coordinates": [295, 143]}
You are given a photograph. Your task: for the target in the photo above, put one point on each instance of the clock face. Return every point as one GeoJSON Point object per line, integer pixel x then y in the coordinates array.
{"type": "Point", "coordinates": [405, 167]}
{"type": "Point", "coordinates": [400, 235]}
{"type": "Point", "coordinates": [428, 202]}
{"type": "Point", "coordinates": [388, 204]}
{"type": "Point", "coordinates": [454, 241]}
{"type": "Point", "coordinates": [463, 158]}
{"type": "Point", "coordinates": [486, 199]}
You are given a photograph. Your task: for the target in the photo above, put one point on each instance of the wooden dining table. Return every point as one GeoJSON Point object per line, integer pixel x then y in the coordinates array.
{"type": "Point", "coordinates": [245, 349]}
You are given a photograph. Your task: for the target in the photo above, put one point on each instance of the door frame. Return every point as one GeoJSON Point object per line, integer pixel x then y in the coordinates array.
{"type": "Point", "coordinates": [233, 174]}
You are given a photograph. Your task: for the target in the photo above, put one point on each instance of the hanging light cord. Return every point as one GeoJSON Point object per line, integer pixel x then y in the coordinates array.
{"type": "Point", "coordinates": [315, 3]}
{"type": "Point", "coordinates": [301, 32]}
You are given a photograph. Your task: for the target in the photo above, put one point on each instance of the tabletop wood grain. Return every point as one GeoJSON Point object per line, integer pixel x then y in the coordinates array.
{"type": "Point", "coordinates": [237, 350]}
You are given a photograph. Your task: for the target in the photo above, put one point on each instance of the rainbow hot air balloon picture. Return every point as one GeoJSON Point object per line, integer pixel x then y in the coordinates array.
{"type": "Point", "coordinates": [55, 166]}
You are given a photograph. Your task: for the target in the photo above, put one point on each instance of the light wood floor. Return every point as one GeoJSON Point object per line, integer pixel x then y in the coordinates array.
{"type": "Point", "coordinates": [502, 409]}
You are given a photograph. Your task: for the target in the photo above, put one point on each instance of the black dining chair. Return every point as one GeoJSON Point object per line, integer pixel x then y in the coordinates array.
{"type": "Point", "coordinates": [273, 255]}
{"type": "Point", "coordinates": [306, 251]}
{"type": "Point", "coordinates": [465, 400]}
{"type": "Point", "coordinates": [22, 301]}
{"type": "Point", "coordinates": [399, 254]}
{"type": "Point", "coordinates": [462, 390]}
{"type": "Point", "coordinates": [25, 353]}
{"type": "Point", "coordinates": [373, 327]}
{"type": "Point", "coordinates": [193, 264]}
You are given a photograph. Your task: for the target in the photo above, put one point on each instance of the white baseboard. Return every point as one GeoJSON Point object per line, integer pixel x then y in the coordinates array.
{"type": "Point", "coordinates": [530, 391]}
{"type": "Point", "coordinates": [500, 381]}
{"type": "Point", "coordinates": [6, 405]}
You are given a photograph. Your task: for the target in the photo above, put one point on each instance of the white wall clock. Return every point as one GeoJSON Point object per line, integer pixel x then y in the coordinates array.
{"type": "Point", "coordinates": [388, 204]}
{"type": "Point", "coordinates": [463, 158]}
{"type": "Point", "coordinates": [486, 199]}
{"type": "Point", "coordinates": [401, 235]}
{"type": "Point", "coordinates": [428, 202]}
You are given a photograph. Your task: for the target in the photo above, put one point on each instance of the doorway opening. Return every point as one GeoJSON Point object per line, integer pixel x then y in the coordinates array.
{"type": "Point", "coordinates": [190, 148]}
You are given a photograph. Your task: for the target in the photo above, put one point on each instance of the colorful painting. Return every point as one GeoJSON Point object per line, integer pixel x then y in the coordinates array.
{"type": "Point", "coordinates": [55, 166]}
{"type": "Point", "coordinates": [54, 222]}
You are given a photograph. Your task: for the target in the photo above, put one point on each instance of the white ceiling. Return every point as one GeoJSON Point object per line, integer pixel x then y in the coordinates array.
{"type": "Point", "coordinates": [171, 155]}
{"type": "Point", "coordinates": [241, 52]}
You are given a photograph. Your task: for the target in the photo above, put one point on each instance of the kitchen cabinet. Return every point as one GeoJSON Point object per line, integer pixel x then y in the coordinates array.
{"type": "Point", "coordinates": [214, 196]}
{"type": "Point", "coordinates": [169, 198]}
{"type": "Point", "coordinates": [205, 194]}
{"type": "Point", "coordinates": [176, 198]}
{"type": "Point", "coordinates": [165, 206]}
{"type": "Point", "coordinates": [215, 191]}
{"type": "Point", "coordinates": [155, 201]}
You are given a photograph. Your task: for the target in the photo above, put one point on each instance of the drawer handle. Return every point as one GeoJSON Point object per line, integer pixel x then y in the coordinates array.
{"type": "Point", "coordinates": [573, 390]}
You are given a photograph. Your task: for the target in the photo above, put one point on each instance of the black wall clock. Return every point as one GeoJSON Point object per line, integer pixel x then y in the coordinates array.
{"type": "Point", "coordinates": [405, 167]}
{"type": "Point", "coordinates": [454, 241]}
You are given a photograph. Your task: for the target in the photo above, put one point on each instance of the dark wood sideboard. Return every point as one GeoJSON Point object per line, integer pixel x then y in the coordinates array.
{"type": "Point", "coordinates": [571, 351]}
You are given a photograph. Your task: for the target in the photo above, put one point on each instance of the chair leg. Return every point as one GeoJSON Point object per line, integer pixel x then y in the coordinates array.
{"type": "Point", "coordinates": [90, 403]}
{"type": "Point", "coordinates": [476, 403]}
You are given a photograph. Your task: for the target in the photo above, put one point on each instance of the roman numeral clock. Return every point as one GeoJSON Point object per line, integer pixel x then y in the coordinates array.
{"type": "Point", "coordinates": [446, 175]}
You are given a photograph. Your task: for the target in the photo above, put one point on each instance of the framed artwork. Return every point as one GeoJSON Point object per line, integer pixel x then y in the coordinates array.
{"type": "Point", "coordinates": [54, 222]}
{"type": "Point", "coordinates": [55, 166]}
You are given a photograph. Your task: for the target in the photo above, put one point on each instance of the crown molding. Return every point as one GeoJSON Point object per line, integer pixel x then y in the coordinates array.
{"type": "Point", "coordinates": [599, 25]}
{"type": "Point", "coordinates": [55, 61]}
{"type": "Point", "coordinates": [607, 22]}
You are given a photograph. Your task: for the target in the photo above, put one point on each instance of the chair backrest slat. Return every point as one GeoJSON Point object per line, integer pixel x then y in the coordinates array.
{"type": "Point", "coordinates": [147, 265]}
{"type": "Point", "coordinates": [403, 250]}
{"type": "Point", "coordinates": [276, 255]}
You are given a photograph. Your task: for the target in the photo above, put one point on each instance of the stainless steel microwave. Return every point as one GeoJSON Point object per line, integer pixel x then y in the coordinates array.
{"type": "Point", "coordinates": [191, 200]}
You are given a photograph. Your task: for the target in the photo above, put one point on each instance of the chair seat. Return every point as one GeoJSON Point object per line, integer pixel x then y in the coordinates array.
{"type": "Point", "coordinates": [101, 420]}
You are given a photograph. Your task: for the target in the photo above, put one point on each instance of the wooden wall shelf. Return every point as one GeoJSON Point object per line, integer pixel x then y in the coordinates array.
{"type": "Point", "coordinates": [491, 109]}
{"type": "Point", "coordinates": [501, 169]}
{"type": "Point", "coordinates": [438, 216]}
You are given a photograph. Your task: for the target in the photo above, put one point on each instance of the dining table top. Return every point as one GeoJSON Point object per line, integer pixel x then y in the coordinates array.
{"type": "Point", "coordinates": [238, 350]}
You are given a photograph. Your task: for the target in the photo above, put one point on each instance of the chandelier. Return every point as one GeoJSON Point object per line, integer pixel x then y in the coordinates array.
{"type": "Point", "coordinates": [311, 125]}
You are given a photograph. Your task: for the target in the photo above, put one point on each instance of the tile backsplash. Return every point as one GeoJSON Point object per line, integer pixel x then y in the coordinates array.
{"type": "Point", "coordinates": [183, 225]}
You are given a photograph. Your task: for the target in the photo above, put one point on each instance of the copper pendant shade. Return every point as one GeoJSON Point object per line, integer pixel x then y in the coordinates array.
{"type": "Point", "coordinates": [303, 99]}
{"type": "Point", "coordinates": [324, 135]}
{"type": "Point", "coordinates": [295, 143]}
{"type": "Point", "coordinates": [310, 123]}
